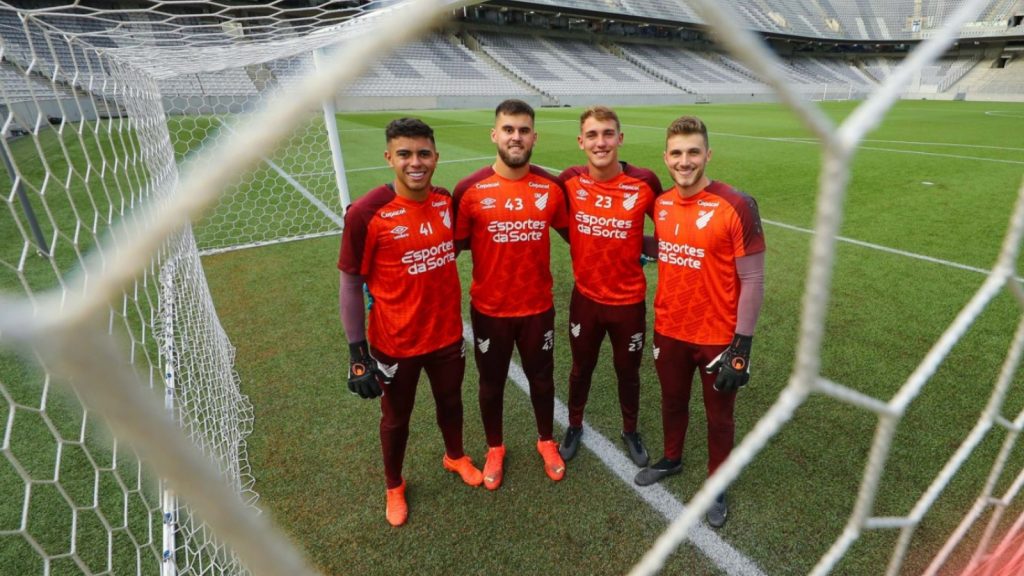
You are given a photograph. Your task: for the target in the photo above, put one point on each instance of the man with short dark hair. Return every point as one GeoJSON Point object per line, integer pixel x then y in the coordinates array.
{"type": "Point", "coordinates": [505, 214]}
{"type": "Point", "coordinates": [607, 201]}
{"type": "Point", "coordinates": [398, 239]}
{"type": "Point", "coordinates": [710, 249]}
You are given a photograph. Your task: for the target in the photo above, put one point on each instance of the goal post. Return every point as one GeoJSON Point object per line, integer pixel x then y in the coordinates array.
{"type": "Point", "coordinates": [142, 468]}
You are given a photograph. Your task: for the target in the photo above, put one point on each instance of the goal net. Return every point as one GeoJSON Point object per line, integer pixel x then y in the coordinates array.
{"type": "Point", "coordinates": [123, 427]}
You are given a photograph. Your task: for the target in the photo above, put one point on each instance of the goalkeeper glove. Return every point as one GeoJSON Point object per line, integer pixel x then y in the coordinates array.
{"type": "Point", "coordinates": [364, 376]}
{"type": "Point", "coordinates": [732, 365]}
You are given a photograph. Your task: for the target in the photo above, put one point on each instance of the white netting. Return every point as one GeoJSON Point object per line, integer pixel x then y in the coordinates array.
{"type": "Point", "coordinates": [839, 144]}
{"type": "Point", "coordinates": [96, 236]}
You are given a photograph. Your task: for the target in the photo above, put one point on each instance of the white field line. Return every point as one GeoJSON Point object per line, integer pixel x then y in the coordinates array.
{"type": "Point", "coordinates": [950, 144]}
{"type": "Point", "coordinates": [1003, 114]}
{"type": "Point", "coordinates": [720, 552]}
{"type": "Point", "coordinates": [889, 250]}
{"type": "Point", "coordinates": [436, 126]}
{"type": "Point", "coordinates": [456, 161]}
{"type": "Point", "coordinates": [811, 141]}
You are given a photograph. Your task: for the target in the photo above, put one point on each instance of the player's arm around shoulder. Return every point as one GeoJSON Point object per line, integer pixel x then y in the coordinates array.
{"type": "Point", "coordinates": [463, 215]}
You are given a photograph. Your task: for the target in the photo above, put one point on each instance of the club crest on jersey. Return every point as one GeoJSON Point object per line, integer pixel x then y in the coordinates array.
{"type": "Point", "coordinates": [388, 370]}
{"type": "Point", "coordinates": [636, 342]}
{"type": "Point", "coordinates": [574, 329]}
{"type": "Point", "coordinates": [488, 203]}
{"type": "Point", "coordinates": [581, 194]}
{"type": "Point", "coordinates": [483, 345]}
{"type": "Point", "coordinates": [704, 218]}
{"type": "Point", "coordinates": [400, 232]}
{"type": "Point", "coordinates": [446, 219]}
{"type": "Point", "coordinates": [549, 340]}
{"type": "Point", "coordinates": [541, 200]}
{"type": "Point", "coordinates": [629, 200]}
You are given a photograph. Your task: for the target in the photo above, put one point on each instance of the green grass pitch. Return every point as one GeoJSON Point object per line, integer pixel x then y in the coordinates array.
{"type": "Point", "coordinates": [936, 179]}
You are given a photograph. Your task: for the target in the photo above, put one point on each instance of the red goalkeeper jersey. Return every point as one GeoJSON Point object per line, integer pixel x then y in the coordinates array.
{"type": "Point", "coordinates": [606, 232]}
{"type": "Point", "coordinates": [508, 225]}
{"type": "Point", "coordinates": [699, 240]}
{"type": "Point", "coordinates": [406, 252]}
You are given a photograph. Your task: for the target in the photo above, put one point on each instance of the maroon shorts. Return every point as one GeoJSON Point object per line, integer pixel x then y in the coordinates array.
{"type": "Point", "coordinates": [445, 368]}
{"type": "Point", "coordinates": [626, 327]}
{"type": "Point", "coordinates": [534, 337]}
{"type": "Point", "coordinates": [676, 361]}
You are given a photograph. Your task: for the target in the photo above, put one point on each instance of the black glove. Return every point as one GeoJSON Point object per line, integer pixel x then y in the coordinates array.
{"type": "Point", "coordinates": [732, 365]}
{"type": "Point", "coordinates": [364, 376]}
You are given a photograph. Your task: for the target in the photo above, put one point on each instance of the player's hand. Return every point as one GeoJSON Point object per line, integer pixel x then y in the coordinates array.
{"type": "Point", "coordinates": [364, 377]}
{"type": "Point", "coordinates": [732, 365]}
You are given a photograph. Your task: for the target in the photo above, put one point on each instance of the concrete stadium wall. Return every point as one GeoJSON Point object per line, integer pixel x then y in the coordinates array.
{"type": "Point", "coordinates": [363, 103]}
{"type": "Point", "coordinates": [26, 112]}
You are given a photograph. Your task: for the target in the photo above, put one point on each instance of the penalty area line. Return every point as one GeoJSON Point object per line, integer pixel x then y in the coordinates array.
{"type": "Point", "coordinates": [720, 552]}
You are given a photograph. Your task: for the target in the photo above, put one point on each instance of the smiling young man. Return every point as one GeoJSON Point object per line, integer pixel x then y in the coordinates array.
{"type": "Point", "coordinates": [710, 249]}
{"type": "Point", "coordinates": [398, 239]}
{"type": "Point", "coordinates": [607, 201]}
{"type": "Point", "coordinates": [505, 214]}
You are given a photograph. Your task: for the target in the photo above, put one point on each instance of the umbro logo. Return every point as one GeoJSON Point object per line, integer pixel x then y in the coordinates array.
{"type": "Point", "coordinates": [704, 219]}
{"type": "Point", "coordinates": [574, 329]}
{"type": "Point", "coordinates": [662, 215]}
{"type": "Point", "coordinates": [629, 201]}
{"type": "Point", "coordinates": [483, 344]}
{"type": "Point", "coordinates": [581, 194]}
{"type": "Point", "coordinates": [488, 203]}
{"type": "Point", "coordinates": [541, 201]}
{"type": "Point", "coordinates": [400, 232]}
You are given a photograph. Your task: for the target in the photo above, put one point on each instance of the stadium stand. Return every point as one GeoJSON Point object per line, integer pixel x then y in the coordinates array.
{"type": "Point", "coordinates": [436, 65]}
{"type": "Point", "coordinates": [829, 19]}
{"type": "Point", "coordinates": [694, 71]}
{"type": "Point", "coordinates": [989, 81]}
{"type": "Point", "coordinates": [468, 64]}
{"type": "Point", "coordinates": [937, 78]}
{"type": "Point", "coordinates": [572, 71]}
